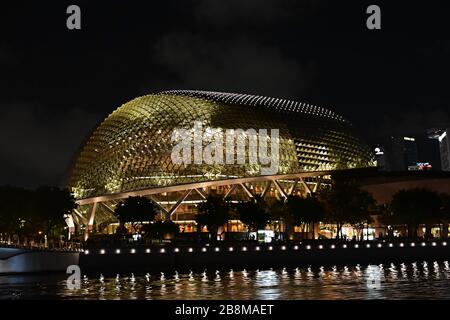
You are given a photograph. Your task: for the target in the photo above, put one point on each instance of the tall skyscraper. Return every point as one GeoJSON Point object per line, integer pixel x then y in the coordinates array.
{"type": "Point", "coordinates": [443, 136]}
{"type": "Point", "coordinates": [402, 153]}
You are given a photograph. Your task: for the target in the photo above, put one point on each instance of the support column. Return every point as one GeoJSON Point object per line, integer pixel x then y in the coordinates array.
{"type": "Point", "coordinates": [317, 185]}
{"type": "Point", "coordinates": [248, 191]}
{"type": "Point", "coordinates": [293, 187]}
{"type": "Point", "coordinates": [230, 191]}
{"type": "Point", "coordinates": [280, 189]}
{"type": "Point", "coordinates": [266, 189]}
{"type": "Point", "coordinates": [164, 210]}
{"type": "Point", "coordinates": [177, 205]}
{"type": "Point", "coordinates": [201, 193]}
{"type": "Point", "coordinates": [90, 225]}
{"type": "Point", "coordinates": [305, 185]}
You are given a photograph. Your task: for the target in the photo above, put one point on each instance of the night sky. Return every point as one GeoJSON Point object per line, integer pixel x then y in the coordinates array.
{"type": "Point", "coordinates": [57, 84]}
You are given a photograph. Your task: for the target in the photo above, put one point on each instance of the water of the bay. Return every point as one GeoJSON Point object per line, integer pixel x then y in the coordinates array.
{"type": "Point", "coordinates": [417, 280]}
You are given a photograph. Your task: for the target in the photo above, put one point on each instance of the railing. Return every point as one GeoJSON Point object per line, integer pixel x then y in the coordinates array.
{"type": "Point", "coordinates": [217, 248]}
{"type": "Point", "coordinates": [41, 248]}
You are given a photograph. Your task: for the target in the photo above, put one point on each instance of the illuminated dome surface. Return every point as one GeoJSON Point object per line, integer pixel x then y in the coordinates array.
{"type": "Point", "coordinates": [131, 149]}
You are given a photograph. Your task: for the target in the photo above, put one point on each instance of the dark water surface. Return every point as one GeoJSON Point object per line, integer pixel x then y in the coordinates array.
{"type": "Point", "coordinates": [418, 280]}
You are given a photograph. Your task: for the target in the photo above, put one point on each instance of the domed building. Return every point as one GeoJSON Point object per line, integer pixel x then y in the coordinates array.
{"type": "Point", "coordinates": [132, 153]}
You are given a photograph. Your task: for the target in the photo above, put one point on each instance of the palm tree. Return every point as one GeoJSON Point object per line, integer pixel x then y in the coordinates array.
{"type": "Point", "coordinates": [135, 210]}
{"type": "Point", "coordinates": [213, 213]}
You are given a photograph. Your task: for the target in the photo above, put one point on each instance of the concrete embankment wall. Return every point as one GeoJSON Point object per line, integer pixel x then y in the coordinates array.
{"type": "Point", "coordinates": [30, 261]}
{"type": "Point", "coordinates": [182, 260]}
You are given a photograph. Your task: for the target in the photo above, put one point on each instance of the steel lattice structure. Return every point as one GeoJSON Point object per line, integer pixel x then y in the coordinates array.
{"type": "Point", "coordinates": [130, 152]}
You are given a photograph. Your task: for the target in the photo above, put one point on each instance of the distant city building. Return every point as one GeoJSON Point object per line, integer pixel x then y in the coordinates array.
{"type": "Point", "coordinates": [428, 152]}
{"type": "Point", "coordinates": [403, 153]}
{"type": "Point", "coordinates": [420, 166]}
{"type": "Point", "coordinates": [406, 153]}
{"type": "Point", "coordinates": [380, 157]}
{"type": "Point", "coordinates": [443, 138]}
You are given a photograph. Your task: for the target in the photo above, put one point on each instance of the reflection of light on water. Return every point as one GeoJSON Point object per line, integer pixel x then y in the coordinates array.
{"type": "Point", "coordinates": [403, 271]}
{"type": "Point", "coordinates": [373, 276]}
{"type": "Point", "coordinates": [118, 286]}
{"type": "Point", "coordinates": [393, 273]}
{"type": "Point", "coordinates": [446, 270]}
{"type": "Point", "coordinates": [310, 274]}
{"type": "Point", "coordinates": [426, 272]}
{"type": "Point", "coordinates": [85, 285]}
{"type": "Point", "coordinates": [102, 288]}
{"type": "Point", "coordinates": [423, 280]}
{"type": "Point", "coordinates": [436, 268]}
{"type": "Point", "coordinates": [266, 285]}
{"type": "Point", "coordinates": [357, 272]}
{"type": "Point", "coordinates": [132, 289]}
{"type": "Point", "coordinates": [321, 272]}
{"type": "Point", "coordinates": [284, 274]}
{"type": "Point", "coordinates": [415, 273]}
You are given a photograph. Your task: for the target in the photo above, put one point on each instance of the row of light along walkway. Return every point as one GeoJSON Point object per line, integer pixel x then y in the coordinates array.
{"type": "Point", "coordinates": [269, 248]}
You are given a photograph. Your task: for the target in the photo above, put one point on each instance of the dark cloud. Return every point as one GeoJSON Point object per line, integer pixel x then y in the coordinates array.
{"type": "Point", "coordinates": [39, 147]}
{"type": "Point", "coordinates": [238, 65]}
{"type": "Point", "coordinates": [413, 122]}
{"type": "Point", "coordinates": [252, 12]}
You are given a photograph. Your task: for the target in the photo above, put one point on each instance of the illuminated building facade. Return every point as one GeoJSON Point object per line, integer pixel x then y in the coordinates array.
{"type": "Point", "coordinates": [129, 154]}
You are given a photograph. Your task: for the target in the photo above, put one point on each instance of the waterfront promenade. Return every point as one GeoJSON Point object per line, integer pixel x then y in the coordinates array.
{"type": "Point", "coordinates": [218, 255]}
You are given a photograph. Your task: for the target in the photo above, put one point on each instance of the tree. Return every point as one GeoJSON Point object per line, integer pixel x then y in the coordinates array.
{"type": "Point", "coordinates": [15, 211]}
{"type": "Point", "coordinates": [213, 213]}
{"type": "Point", "coordinates": [306, 211]}
{"type": "Point", "coordinates": [135, 210]}
{"type": "Point", "coordinates": [50, 204]}
{"type": "Point", "coordinates": [253, 214]}
{"type": "Point", "coordinates": [27, 213]}
{"type": "Point", "coordinates": [360, 215]}
{"type": "Point", "coordinates": [346, 203]}
{"type": "Point", "coordinates": [416, 206]}
{"type": "Point", "coordinates": [279, 212]}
